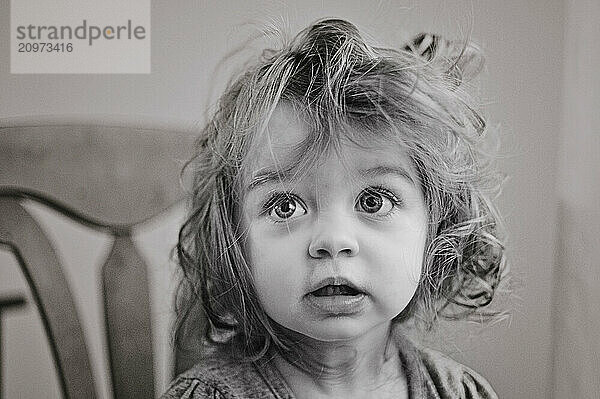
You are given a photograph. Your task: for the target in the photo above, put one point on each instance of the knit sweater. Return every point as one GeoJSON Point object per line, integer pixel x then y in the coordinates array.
{"type": "Point", "coordinates": [429, 374]}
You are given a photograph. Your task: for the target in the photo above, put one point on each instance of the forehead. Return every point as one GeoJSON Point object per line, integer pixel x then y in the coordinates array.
{"type": "Point", "coordinates": [287, 144]}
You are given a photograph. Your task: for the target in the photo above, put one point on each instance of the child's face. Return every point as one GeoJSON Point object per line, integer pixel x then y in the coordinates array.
{"type": "Point", "coordinates": [338, 250]}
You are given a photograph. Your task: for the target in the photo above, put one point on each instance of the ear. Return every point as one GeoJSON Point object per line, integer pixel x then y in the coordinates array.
{"type": "Point", "coordinates": [459, 61]}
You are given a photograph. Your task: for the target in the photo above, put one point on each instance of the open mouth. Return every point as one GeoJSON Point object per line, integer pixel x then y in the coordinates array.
{"type": "Point", "coordinates": [333, 290]}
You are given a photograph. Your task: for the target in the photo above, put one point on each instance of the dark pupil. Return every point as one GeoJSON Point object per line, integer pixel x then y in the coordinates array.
{"type": "Point", "coordinates": [371, 203]}
{"type": "Point", "coordinates": [285, 209]}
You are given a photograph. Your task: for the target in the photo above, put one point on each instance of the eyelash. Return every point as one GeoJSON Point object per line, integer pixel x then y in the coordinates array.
{"type": "Point", "coordinates": [274, 199]}
{"type": "Point", "coordinates": [395, 200]}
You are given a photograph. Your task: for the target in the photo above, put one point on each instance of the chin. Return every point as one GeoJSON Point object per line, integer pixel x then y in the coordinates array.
{"type": "Point", "coordinates": [334, 329]}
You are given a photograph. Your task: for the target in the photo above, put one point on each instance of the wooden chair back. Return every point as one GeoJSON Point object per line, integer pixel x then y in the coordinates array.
{"type": "Point", "coordinates": [110, 178]}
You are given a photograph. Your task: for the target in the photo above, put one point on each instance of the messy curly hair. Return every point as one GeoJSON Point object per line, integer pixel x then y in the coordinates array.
{"type": "Point", "coordinates": [412, 96]}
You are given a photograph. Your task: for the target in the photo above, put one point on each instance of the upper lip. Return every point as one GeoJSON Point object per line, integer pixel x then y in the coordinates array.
{"type": "Point", "coordinates": [335, 281]}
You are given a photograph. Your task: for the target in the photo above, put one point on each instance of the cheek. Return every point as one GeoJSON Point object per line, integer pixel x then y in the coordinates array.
{"type": "Point", "coordinates": [276, 264]}
{"type": "Point", "coordinates": [399, 257]}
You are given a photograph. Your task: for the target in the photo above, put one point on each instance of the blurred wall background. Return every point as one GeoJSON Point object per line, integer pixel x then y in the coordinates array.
{"type": "Point", "coordinates": [576, 296]}
{"type": "Point", "coordinates": [549, 147]}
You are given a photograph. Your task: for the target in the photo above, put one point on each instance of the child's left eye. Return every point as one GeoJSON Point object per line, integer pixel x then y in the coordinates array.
{"type": "Point", "coordinates": [375, 200]}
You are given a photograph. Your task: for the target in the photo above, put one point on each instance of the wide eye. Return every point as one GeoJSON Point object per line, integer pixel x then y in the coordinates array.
{"type": "Point", "coordinates": [374, 202]}
{"type": "Point", "coordinates": [286, 208]}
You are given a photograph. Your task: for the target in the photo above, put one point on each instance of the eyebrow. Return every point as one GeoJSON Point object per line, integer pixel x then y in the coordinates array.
{"type": "Point", "coordinates": [388, 170]}
{"type": "Point", "coordinates": [270, 176]}
{"type": "Point", "coordinates": [267, 176]}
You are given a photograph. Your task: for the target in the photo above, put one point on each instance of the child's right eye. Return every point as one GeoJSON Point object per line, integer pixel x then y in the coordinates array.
{"type": "Point", "coordinates": [284, 207]}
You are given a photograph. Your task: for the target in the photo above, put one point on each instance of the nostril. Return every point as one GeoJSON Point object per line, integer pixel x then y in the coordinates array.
{"type": "Point", "coordinates": [324, 252]}
{"type": "Point", "coordinates": [346, 251]}
{"type": "Point", "coordinates": [320, 253]}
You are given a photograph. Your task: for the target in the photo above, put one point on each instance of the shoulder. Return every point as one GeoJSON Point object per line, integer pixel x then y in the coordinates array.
{"type": "Point", "coordinates": [222, 376]}
{"type": "Point", "coordinates": [452, 379]}
{"type": "Point", "coordinates": [217, 375]}
{"type": "Point", "coordinates": [432, 374]}
{"type": "Point", "coordinates": [213, 377]}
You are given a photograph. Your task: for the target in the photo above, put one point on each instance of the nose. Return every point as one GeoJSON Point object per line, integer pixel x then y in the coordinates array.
{"type": "Point", "coordinates": [333, 238]}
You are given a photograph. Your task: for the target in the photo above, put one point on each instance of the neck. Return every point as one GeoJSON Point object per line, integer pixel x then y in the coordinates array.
{"type": "Point", "coordinates": [349, 368]}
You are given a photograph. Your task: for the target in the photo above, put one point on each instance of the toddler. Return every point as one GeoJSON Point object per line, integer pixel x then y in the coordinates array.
{"type": "Point", "coordinates": [339, 196]}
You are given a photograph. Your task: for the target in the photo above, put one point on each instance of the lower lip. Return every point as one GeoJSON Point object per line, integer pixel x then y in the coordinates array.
{"type": "Point", "coordinates": [337, 304]}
